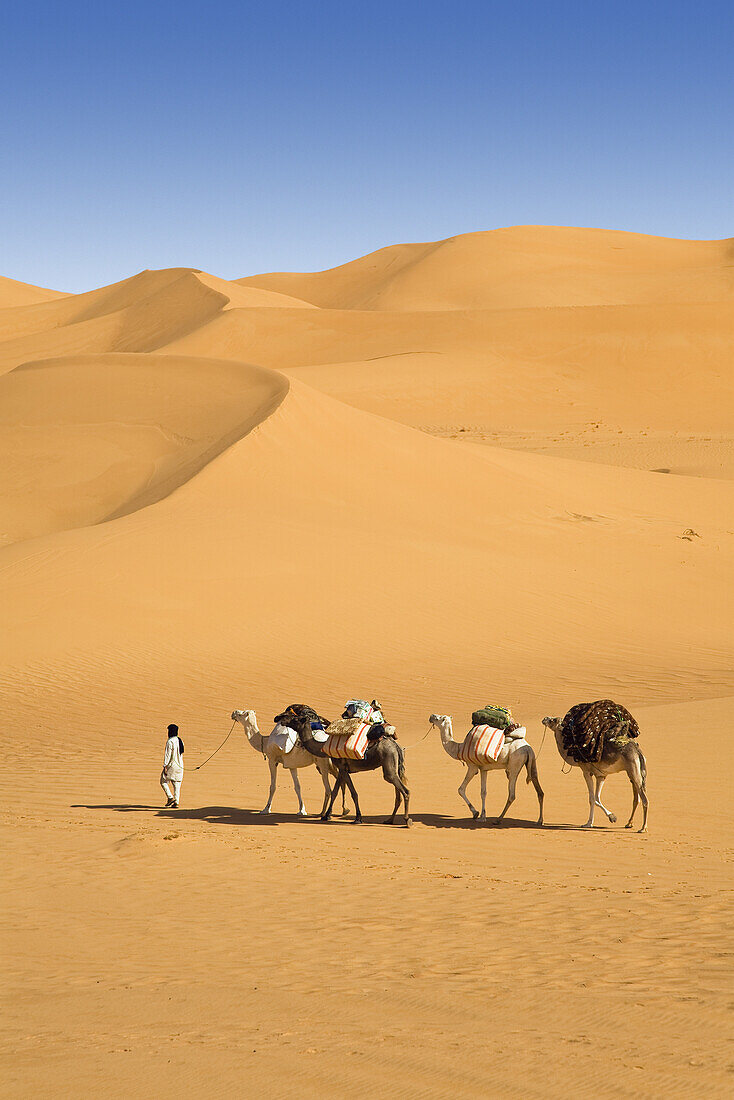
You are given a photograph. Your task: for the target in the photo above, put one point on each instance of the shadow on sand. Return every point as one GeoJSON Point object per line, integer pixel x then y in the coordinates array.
{"type": "Point", "coordinates": [232, 815]}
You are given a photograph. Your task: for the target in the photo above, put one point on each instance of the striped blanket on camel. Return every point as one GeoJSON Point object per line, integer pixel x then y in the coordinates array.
{"type": "Point", "coordinates": [346, 739]}
{"type": "Point", "coordinates": [481, 745]}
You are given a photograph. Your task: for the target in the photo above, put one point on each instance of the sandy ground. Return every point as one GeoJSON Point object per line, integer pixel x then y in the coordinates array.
{"type": "Point", "coordinates": [496, 467]}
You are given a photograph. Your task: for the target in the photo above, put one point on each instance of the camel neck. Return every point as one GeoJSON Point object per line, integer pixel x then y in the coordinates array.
{"type": "Point", "coordinates": [446, 733]}
{"type": "Point", "coordinates": [254, 736]}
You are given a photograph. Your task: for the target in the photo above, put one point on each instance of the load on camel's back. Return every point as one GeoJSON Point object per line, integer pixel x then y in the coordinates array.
{"type": "Point", "coordinates": [492, 728]}
{"type": "Point", "coordinates": [299, 711]}
{"type": "Point", "coordinates": [360, 725]}
{"type": "Point", "coordinates": [368, 712]}
{"type": "Point", "coordinates": [590, 728]}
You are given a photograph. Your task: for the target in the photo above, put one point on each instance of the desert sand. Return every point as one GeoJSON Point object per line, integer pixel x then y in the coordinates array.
{"type": "Point", "coordinates": [497, 467]}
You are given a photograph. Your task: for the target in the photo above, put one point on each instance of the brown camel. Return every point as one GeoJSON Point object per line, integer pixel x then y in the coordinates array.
{"type": "Point", "coordinates": [615, 758]}
{"type": "Point", "coordinates": [383, 752]}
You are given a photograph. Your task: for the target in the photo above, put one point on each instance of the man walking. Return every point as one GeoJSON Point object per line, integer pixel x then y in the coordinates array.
{"type": "Point", "coordinates": [173, 767]}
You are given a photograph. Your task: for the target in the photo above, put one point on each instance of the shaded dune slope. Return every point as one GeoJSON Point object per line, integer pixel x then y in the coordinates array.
{"type": "Point", "coordinates": [89, 438]}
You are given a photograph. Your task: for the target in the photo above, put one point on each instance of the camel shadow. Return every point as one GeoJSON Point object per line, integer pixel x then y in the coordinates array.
{"type": "Point", "coordinates": [234, 815]}
{"type": "Point", "coordinates": [217, 815]}
{"type": "Point", "coordinates": [444, 821]}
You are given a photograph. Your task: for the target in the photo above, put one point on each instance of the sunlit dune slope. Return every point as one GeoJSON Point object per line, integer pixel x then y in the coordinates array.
{"type": "Point", "coordinates": [520, 267]}
{"type": "Point", "coordinates": [13, 293]}
{"type": "Point", "coordinates": [331, 546]}
{"type": "Point", "coordinates": [88, 438]}
{"type": "Point", "coordinates": [646, 386]}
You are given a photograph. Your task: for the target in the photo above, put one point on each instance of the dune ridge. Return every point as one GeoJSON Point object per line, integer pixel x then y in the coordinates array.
{"type": "Point", "coordinates": [520, 267]}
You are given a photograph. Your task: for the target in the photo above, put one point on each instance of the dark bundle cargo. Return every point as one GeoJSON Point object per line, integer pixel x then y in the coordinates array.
{"type": "Point", "coordinates": [301, 710]}
{"type": "Point", "coordinates": [589, 727]}
{"type": "Point", "coordinates": [497, 717]}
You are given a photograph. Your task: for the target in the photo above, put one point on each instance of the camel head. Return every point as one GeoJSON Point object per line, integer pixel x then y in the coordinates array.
{"type": "Point", "coordinates": [247, 718]}
{"type": "Point", "coordinates": [554, 724]}
{"type": "Point", "coordinates": [441, 721]}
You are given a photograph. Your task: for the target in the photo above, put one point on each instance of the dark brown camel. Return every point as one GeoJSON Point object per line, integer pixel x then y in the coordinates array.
{"type": "Point", "coordinates": [383, 752]}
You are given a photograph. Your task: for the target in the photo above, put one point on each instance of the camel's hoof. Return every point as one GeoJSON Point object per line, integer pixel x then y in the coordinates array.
{"type": "Point", "coordinates": [303, 813]}
{"type": "Point", "coordinates": [358, 821]}
{"type": "Point", "coordinates": [588, 825]}
{"type": "Point", "coordinates": [628, 825]}
{"type": "Point", "coordinates": [265, 811]}
{"type": "Point", "coordinates": [475, 814]}
{"type": "Point", "coordinates": [612, 819]}
{"type": "Point", "coordinates": [325, 817]}
{"type": "Point", "coordinates": [408, 822]}
{"type": "Point", "coordinates": [643, 829]}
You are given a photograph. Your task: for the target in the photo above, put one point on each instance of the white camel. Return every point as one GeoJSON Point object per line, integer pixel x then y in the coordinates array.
{"type": "Point", "coordinates": [292, 761]}
{"type": "Point", "coordinates": [615, 758]}
{"type": "Point", "coordinates": [514, 756]}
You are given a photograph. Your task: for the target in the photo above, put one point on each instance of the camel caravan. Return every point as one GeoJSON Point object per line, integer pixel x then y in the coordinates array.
{"type": "Point", "coordinates": [599, 738]}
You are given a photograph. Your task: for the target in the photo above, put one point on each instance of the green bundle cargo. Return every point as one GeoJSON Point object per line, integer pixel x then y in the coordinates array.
{"type": "Point", "coordinates": [497, 717]}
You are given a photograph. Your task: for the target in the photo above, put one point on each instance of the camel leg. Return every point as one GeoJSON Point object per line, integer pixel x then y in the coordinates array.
{"type": "Point", "coordinates": [511, 785]}
{"type": "Point", "coordinates": [353, 792]}
{"type": "Point", "coordinates": [514, 766]}
{"type": "Point", "coordinates": [471, 771]}
{"type": "Point", "coordinates": [332, 798]}
{"type": "Point", "coordinates": [324, 773]}
{"type": "Point", "coordinates": [600, 781]}
{"type": "Point", "coordinates": [592, 800]}
{"type": "Point", "coordinates": [398, 799]}
{"type": "Point", "coordinates": [401, 791]}
{"type": "Point", "coordinates": [483, 785]}
{"type": "Point", "coordinates": [297, 787]}
{"type": "Point", "coordinates": [635, 801]}
{"type": "Point", "coordinates": [533, 773]}
{"type": "Point", "coordinates": [273, 776]}
{"type": "Point", "coordinates": [345, 808]}
{"type": "Point", "coordinates": [637, 778]}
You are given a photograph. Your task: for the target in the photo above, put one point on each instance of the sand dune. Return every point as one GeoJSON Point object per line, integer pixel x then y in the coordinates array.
{"type": "Point", "coordinates": [143, 313]}
{"type": "Point", "coordinates": [425, 476]}
{"type": "Point", "coordinates": [520, 267]}
{"type": "Point", "coordinates": [13, 293]}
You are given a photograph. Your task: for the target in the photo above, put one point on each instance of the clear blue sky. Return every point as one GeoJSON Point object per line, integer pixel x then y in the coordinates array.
{"type": "Point", "coordinates": [242, 137]}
